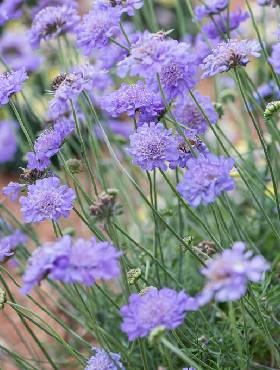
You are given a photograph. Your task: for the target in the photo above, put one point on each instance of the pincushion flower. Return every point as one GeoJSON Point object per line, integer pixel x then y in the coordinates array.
{"type": "Point", "coordinates": [17, 53]}
{"type": "Point", "coordinates": [125, 6]}
{"type": "Point", "coordinates": [229, 54]}
{"type": "Point", "coordinates": [51, 22]}
{"type": "Point", "coordinates": [206, 178]}
{"type": "Point", "coordinates": [164, 307]}
{"type": "Point", "coordinates": [275, 57]}
{"type": "Point", "coordinates": [151, 146]}
{"type": "Point", "coordinates": [8, 141]}
{"type": "Point", "coordinates": [229, 273]}
{"type": "Point", "coordinates": [210, 8]}
{"type": "Point", "coordinates": [188, 113]}
{"type": "Point", "coordinates": [96, 29]}
{"type": "Point", "coordinates": [8, 243]}
{"type": "Point", "coordinates": [41, 4]}
{"type": "Point", "coordinates": [104, 361]}
{"type": "Point", "coordinates": [47, 199]}
{"type": "Point", "coordinates": [130, 99]}
{"type": "Point", "coordinates": [11, 83]}
{"type": "Point", "coordinates": [12, 190]}
{"type": "Point", "coordinates": [10, 9]}
{"type": "Point", "coordinates": [83, 261]}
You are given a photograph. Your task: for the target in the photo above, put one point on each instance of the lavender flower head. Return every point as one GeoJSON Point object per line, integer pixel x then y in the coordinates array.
{"type": "Point", "coordinates": [164, 307]}
{"type": "Point", "coordinates": [229, 273]}
{"type": "Point", "coordinates": [8, 243]}
{"type": "Point", "coordinates": [104, 361]}
{"type": "Point", "coordinates": [151, 146]}
{"type": "Point", "coordinates": [8, 141]}
{"type": "Point", "coordinates": [275, 57]}
{"type": "Point", "coordinates": [12, 190]}
{"type": "Point", "coordinates": [41, 4]}
{"type": "Point", "coordinates": [229, 54]}
{"type": "Point", "coordinates": [17, 53]}
{"type": "Point", "coordinates": [206, 178]}
{"type": "Point", "coordinates": [83, 261]}
{"type": "Point", "coordinates": [10, 9]}
{"type": "Point", "coordinates": [51, 22]}
{"type": "Point", "coordinates": [97, 27]}
{"type": "Point", "coordinates": [188, 113]}
{"type": "Point", "coordinates": [130, 99]}
{"type": "Point", "coordinates": [210, 8]}
{"type": "Point", "coordinates": [11, 83]}
{"type": "Point", "coordinates": [47, 199]}
{"type": "Point", "coordinates": [125, 6]}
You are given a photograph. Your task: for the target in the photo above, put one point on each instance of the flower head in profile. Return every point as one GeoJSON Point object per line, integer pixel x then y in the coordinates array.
{"type": "Point", "coordinates": [8, 243]}
{"type": "Point", "coordinates": [97, 27]}
{"type": "Point", "coordinates": [229, 273]}
{"type": "Point", "coordinates": [275, 57]}
{"type": "Point", "coordinates": [10, 9]}
{"type": "Point", "coordinates": [47, 199]}
{"type": "Point", "coordinates": [51, 22]}
{"type": "Point", "coordinates": [101, 360]}
{"type": "Point", "coordinates": [210, 8]}
{"type": "Point", "coordinates": [125, 6]}
{"type": "Point", "coordinates": [152, 145]}
{"type": "Point", "coordinates": [12, 190]}
{"type": "Point", "coordinates": [83, 261]}
{"type": "Point", "coordinates": [8, 141]}
{"type": "Point", "coordinates": [41, 4]}
{"type": "Point", "coordinates": [17, 53]}
{"type": "Point", "coordinates": [133, 98]}
{"type": "Point", "coordinates": [187, 112]}
{"type": "Point", "coordinates": [11, 83]}
{"type": "Point", "coordinates": [164, 307]}
{"type": "Point", "coordinates": [206, 178]}
{"type": "Point", "coordinates": [229, 54]}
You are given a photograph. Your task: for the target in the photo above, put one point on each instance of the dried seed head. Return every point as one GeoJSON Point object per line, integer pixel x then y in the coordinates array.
{"type": "Point", "coordinates": [105, 206]}
{"type": "Point", "coordinates": [207, 247]}
{"type": "Point", "coordinates": [75, 165]}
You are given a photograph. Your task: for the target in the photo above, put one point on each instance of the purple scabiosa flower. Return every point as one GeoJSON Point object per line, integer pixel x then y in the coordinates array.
{"type": "Point", "coordinates": [11, 83]}
{"type": "Point", "coordinates": [8, 141]}
{"type": "Point", "coordinates": [152, 145]}
{"type": "Point", "coordinates": [229, 273]}
{"type": "Point", "coordinates": [147, 55]}
{"type": "Point", "coordinates": [10, 9]}
{"type": "Point", "coordinates": [224, 23]}
{"type": "Point", "coordinates": [184, 152]}
{"type": "Point", "coordinates": [47, 199]}
{"type": "Point", "coordinates": [41, 4]}
{"type": "Point", "coordinates": [12, 190]}
{"type": "Point", "coordinates": [130, 99]}
{"type": "Point", "coordinates": [229, 54]}
{"type": "Point", "coordinates": [8, 243]}
{"type": "Point", "coordinates": [210, 8]}
{"type": "Point", "coordinates": [96, 29]}
{"type": "Point", "coordinates": [83, 261]}
{"type": "Point", "coordinates": [101, 360]}
{"type": "Point", "coordinates": [51, 22]}
{"type": "Point", "coordinates": [164, 307]}
{"type": "Point", "coordinates": [188, 113]}
{"type": "Point", "coordinates": [126, 6]}
{"type": "Point", "coordinates": [267, 91]}
{"type": "Point", "coordinates": [17, 52]}
{"type": "Point", "coordinates": [275, 57]}
{"type": "Point", "coordinates": [206, 178]}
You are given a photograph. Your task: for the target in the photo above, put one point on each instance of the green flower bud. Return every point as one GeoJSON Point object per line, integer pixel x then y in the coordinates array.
{"type": "Point", "coordinates": [133, 275]}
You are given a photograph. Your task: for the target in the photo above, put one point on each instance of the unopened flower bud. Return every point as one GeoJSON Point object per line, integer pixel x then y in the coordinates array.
{"type": "Point", "coordinates": [188, 243]}
{"type": "Point", "coordinates": [3, 298]}
{"type": "Point", "coordinates": [75, 165]}
{"type": "Point", "coordinates": [133, 275]}
{"type": "Point", "coordinates": [156, 334]}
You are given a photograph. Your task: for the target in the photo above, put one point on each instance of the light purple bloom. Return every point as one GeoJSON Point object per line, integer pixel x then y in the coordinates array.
{"type": "Point", "coordinates": [11, 83]}
{"type": "Point", "coordinates": [275, 57]}
{"type": "Point", "coordinates": [223, 24]}
{"type": "Point", "coordinates": [41, 4]}
{"type": "Point", "coordinates": [229, 273]}
{"type": "Point", "coordinates": [51, 22]}
{"type": "Point", "coordinates": [17, 53]}
{"type": "Point", "coordinates": [10, 9]}
{"type": "Point", "coordinates": [206, 178]}
{"type": "Point", "coordinates": [151, 146]}
{"type": "Point", "coordinates": [104, 361]}
{"type": "Point", "coordinates": [96, 28]}
{"type": "Point", "coordinates": [164, 307]}
{"type": "Point", "coordinates": [47, 199]}
{"type": "Point", "coordinates": [188, 113]}
{"type": "Point", "coordinates": [8, 243]}
{"type": "Point", "coordinates": [134, 98]}
{"type": "Point", "coordinates": [83, 261]}
{"type": "Point", "coordinates": [125, 6]}
{"type": "Point", "coordinates": [210, 8]}
{"type": "Point", "coordinates": [8, 141]}
{"type": "Point", "coordinates": [267, 91]}
{"type": "Point", "coordinates": [229, 54]}
{"type": "Point", "coordinates": [12, 190]}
